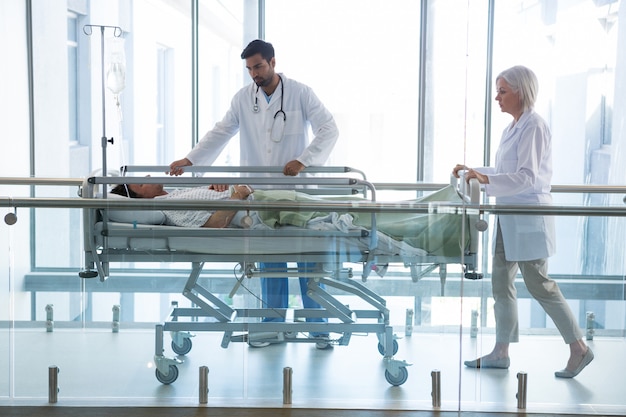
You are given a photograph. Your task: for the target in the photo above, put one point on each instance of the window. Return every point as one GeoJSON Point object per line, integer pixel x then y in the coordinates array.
{"type": "Point", "coordinates": [72, 77]}
{"type": "Point", "coordinates": [364, 69]}
{"type": "Point", "coordinates": [164, 113]}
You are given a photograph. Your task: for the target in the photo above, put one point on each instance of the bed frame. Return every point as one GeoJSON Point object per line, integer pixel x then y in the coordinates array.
{"type": "Point", "coordinates": [106, 242]}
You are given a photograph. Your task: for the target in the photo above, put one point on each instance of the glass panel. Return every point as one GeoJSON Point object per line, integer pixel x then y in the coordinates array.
{"type": "Point", "coordinates": [14, 119]}
{"type": "Point", "coordinates": [108, 328]}
{"type": "Point", "coordinates": [597, 303]}
{"type": "Point", "coordinates": [576, 91]}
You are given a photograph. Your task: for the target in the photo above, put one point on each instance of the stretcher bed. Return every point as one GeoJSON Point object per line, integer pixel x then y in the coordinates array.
{"type": "Point", "coordinates": [443, 229]}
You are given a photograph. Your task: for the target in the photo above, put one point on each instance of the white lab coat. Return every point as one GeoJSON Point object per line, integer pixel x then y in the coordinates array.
{"type": "Point", "coordinates": [522, 175]}
{"type": "Point", "coordinates": [301, 106]}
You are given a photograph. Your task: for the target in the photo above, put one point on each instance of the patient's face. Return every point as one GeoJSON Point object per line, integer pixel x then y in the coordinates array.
{"type": "Point", "coordinates": [147, 190]}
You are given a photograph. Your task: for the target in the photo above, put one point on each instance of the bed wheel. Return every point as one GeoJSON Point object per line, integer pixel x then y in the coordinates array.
{"type": "Point", "coordinates": [170, 377]}
{"type": "Point", "coordinates": [381, 348]}
{"type": "Point", "coordinates": [399, 379]}
{"type": "Point", "coordinates": [184, 349]}
{"type": "Point", "coordinates": [88, 274]}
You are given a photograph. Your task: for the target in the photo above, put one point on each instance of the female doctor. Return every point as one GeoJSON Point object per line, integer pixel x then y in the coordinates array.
{"type": "Point", "coordinates": [272, 116]}
{"type": "Point", "coordinates": [522, 175]}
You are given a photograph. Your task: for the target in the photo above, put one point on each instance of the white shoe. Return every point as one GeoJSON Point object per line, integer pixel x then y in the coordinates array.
{"type": "Point", "coordinates": [323, 343]}
{"type": "Point", "coordinates": [259, 344]}
{"type": "Point", "coordinates": [264, 339]}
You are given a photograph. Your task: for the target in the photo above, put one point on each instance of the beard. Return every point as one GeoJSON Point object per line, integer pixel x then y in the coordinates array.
{"type": "Point", "coordinates": [264, 82]}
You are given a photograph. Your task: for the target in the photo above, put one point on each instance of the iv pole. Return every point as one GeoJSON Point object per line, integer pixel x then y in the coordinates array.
{"type": "Point", "coordinates": [117, 32]}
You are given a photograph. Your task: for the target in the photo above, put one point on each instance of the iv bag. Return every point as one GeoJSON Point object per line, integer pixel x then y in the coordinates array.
{"type": "Point", "coordinates": [116, 72]}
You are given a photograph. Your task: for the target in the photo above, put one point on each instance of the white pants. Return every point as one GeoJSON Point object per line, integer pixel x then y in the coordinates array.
{"type": "Point", "coordinates": [545, 290]}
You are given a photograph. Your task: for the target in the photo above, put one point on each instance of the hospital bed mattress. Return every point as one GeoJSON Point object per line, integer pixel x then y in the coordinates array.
{"type": "Point", "coordinates": [287, 240]}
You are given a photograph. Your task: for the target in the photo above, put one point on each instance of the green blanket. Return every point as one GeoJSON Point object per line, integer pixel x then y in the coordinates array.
{"type": "Point", "coordinates": [438, 234]}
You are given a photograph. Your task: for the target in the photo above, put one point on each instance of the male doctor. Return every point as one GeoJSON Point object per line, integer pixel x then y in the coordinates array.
{"type": "Point", "coordinates": [272, 116]}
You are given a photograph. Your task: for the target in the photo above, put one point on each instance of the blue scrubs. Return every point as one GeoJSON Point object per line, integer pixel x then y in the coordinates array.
{"type": "Point", "coordinates": [275, 291]}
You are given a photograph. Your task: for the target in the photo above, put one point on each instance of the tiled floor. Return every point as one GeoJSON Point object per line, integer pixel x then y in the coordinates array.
{"type": "Point", "coordinates": [98, 368]}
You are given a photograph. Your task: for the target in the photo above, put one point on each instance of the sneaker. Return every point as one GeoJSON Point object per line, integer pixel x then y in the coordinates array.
{"type": "Point", "coordinates": [323, 345]}
{"type": "Point", "coordinates": [264, 339]}
{"type": "Point", "coordinates": [323, 342]}
{"type": "Point", "coordinates": [259, 344]}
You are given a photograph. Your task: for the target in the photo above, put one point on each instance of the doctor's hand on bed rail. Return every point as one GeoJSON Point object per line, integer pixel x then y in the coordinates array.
{"type": "Point", "coordinates": [469, 173]}
{"type": "Point", "coordinates": [176, 167]}
{"type": "Point", "coordinates": [293, 168]}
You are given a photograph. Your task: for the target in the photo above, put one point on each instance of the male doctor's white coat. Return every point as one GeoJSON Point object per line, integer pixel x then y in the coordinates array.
{"type": "Point", "coordinates": [522, 175]}
{"type": "Point", "coordinates": [257, 148]}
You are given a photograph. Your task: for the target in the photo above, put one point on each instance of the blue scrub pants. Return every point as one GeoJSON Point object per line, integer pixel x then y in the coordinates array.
{"type": "Point", "coordinates": [275, 291]}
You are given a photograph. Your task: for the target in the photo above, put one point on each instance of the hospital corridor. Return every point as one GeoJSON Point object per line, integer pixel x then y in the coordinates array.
{"type": "Point", "coordinates": [312, 207]}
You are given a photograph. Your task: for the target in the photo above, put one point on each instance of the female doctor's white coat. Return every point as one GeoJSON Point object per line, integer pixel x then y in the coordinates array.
{"type": "Point", "coordinates": [522, 175]}
{"type": "Point", "coordinates": [301, 107]}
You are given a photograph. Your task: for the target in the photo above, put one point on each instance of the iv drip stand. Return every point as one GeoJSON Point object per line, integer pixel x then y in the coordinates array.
{"type": "Point", "coordinates": [117, 32]}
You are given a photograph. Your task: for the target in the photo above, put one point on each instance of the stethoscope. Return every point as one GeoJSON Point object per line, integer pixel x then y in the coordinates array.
{"type": "Point", "coordinates": [255, 109]}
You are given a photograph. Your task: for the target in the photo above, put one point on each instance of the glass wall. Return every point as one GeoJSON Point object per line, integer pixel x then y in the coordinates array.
{"type": "Point", "coordinates": [98, 84]}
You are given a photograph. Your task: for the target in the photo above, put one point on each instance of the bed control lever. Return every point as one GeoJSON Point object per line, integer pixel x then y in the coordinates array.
{"type": "Point", "coordinates": [88, 273]}
{"type": "Point", "coordinates": [473, 275]}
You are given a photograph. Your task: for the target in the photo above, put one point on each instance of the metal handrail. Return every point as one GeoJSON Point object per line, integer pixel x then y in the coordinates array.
{"type": "Point", "coordinates": [567, 188]}
{"type": "Point", "coordinates": [40, 181]}
{"type": "Point", "coordinates": [416, 186]}
{"type": "Point", "coordinates": [360, 206]}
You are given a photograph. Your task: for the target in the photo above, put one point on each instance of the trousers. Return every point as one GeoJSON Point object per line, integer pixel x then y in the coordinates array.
{"type": "Point", "coordinates": [543, 289]}
{"type": "Point", "coordinates": [275, 291]}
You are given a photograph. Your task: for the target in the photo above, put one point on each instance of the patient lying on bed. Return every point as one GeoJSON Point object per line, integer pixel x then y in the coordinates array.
{"type": "Point", "coordinates": [434, 232]}
{"type": "Point", "coordinates": [189, 218]}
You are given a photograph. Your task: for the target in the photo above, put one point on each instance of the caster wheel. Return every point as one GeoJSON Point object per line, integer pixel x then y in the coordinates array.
{"type": "Point", "coordinates": [184, 349]}
{"type": "Point", "coordinates": [399, 379]}
{"type": "Point", "coordinates": [170, 377]}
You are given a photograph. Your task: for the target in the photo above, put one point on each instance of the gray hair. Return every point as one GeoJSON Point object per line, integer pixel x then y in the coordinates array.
{"type": "Point", "coordinates": [524, 82]}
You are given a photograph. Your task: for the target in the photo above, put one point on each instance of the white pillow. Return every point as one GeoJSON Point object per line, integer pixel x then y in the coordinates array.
{"type": "Point", "coordinates": [135, 216]}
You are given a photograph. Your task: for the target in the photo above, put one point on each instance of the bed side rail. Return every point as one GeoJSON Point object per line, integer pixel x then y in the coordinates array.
{"type": "Point", "coordinates": [94, 183]}
{"type": "Point", "coordinates": [285, 182]}
{"type": "Point", "coordinates": [272, 171]}
{"type": "Point", "coordinates": [470, 192]}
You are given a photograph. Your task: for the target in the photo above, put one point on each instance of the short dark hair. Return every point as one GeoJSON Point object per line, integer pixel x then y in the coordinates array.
{"type": "Point", "coordinates": [259, 47]}
{"type": "Point", "coordinates": [124, 190]}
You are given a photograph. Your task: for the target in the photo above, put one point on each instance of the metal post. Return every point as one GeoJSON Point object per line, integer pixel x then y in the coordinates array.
{"type": "Point", "coordinates": [158, 340]}
{"type": "Point", "coordinates": [521, 390]}
{"type": "Point", "coordinates": [591, 318]}
{"type": "Point", "coordinates": [287, 374]}
{"type": "Point", "coordinates": [49, 317]}
{"type": "Point", "coordinates": [474, 328]}
{"type": "Point", "coordinates": [409, 322]}
{"type": "Point", "coordinates": [115, 325]}
{"type": "Point", "coordinates": [436, 388]}
{"type": "Point", "coordinates": [204, 385]}
{"type": "Point", "coordinates": [53, 384]}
